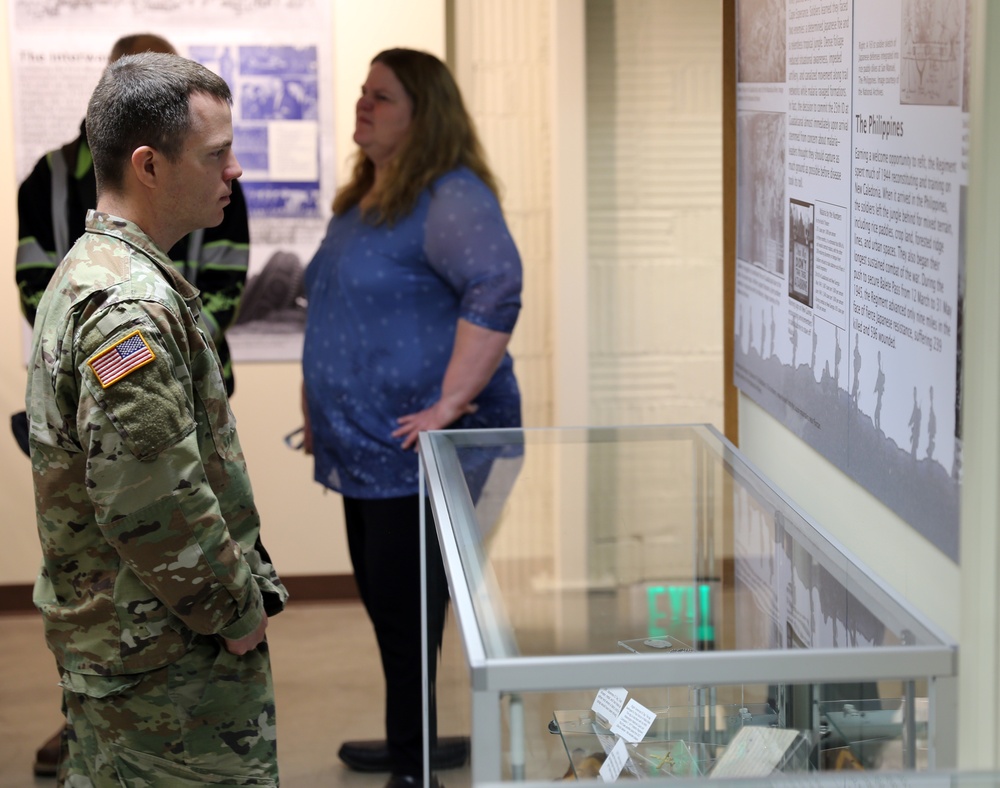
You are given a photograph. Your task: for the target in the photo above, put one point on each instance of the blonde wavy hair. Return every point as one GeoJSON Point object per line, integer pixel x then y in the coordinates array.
{"type": "Point", "coordinates": [441, 137]}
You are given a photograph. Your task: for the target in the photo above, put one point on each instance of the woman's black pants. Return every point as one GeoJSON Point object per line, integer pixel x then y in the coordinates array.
{"type": "Point", "coordinates": [383, 537]}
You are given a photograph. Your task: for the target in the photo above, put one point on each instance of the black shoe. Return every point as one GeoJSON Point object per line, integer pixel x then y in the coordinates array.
{"type": "Point", "coordinates": [48, 757]}
{"type": "Point", "coordinates": [372, 755]}
{"type": "Point", "coordinates": [408, 781]}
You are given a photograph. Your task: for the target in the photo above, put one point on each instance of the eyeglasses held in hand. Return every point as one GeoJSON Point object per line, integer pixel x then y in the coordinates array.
{"type": "Point", "coordinates": [295, 439]}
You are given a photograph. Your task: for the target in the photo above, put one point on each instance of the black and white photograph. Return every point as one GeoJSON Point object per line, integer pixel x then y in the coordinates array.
{"type": "Point", "coordinates": [801, 239]}
{"type": "Point", "coordinates": [761, 190]}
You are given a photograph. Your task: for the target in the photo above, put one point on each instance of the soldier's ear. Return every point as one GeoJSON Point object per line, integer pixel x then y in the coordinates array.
{"type": "Point", "coordinates": [145, 165]}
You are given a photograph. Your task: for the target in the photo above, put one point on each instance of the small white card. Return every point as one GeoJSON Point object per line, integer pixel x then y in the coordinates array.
{"type": "Point", "coordinates": [614, 762]}
{"type": "Point", "coordinates": [608, 704]}
{"type": "Point", "coordinates": [633, 723]}
{"type": "Point", "coordinates": [754, 752]}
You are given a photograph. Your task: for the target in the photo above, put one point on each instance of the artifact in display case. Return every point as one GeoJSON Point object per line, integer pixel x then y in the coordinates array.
{"type": "Point", "coordinates": [626, 739]}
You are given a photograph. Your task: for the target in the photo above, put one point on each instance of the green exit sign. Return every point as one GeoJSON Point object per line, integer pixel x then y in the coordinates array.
{"type": "Point", "coordinates": [690, 605]}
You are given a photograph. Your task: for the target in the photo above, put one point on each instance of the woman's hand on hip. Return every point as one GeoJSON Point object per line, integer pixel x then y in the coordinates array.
{"type": "Point", "coordinates": [436, 417]}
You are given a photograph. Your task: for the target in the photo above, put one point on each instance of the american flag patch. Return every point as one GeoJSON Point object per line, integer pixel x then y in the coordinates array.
{"type": "Point", "coordinates": [121, 359]}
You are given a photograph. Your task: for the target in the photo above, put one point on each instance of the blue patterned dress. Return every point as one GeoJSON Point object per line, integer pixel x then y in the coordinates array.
{"type": "Point", "coordinates": [384, 303]}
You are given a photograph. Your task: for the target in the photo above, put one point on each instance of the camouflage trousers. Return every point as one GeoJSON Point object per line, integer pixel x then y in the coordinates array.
{"type": "Point", "coordinates": [207, 719]}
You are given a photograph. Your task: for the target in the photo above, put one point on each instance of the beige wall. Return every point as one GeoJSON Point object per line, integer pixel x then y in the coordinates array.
{"type": "Point", "coordinates": [19, 558]}
{"type": "Point", "coordinates": [521, 66]}
{"type": "Point", "coordinates": [302, 526]}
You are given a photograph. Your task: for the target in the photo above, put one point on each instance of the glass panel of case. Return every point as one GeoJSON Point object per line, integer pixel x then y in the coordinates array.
{"type": "Point", "coordinates": [695, 727]}
{"type": "Point", "coordinates": [577, 550]}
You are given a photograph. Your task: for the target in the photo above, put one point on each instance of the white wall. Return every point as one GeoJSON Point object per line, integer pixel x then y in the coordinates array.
{"type": "Point", "coordinates": [979, 615]}
{"type": "Point", "coordinates": [302, 526]}
{"type": "Point", "coordinates": [622, 324]}
{"type": "Point", "coordinates": [654, 197]}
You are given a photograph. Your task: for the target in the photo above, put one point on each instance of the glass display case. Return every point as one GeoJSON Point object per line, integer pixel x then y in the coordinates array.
{"type": "Point", "coordinates": [882, 779]}
{"type": "Point", "coordinates": [642, 602]}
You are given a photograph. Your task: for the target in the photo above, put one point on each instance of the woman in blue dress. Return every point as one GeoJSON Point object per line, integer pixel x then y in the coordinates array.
{"type": "Point", "coordinates": [413, 295]}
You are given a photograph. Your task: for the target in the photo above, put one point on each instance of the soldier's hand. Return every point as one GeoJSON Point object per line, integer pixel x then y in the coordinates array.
{"type": "Point", "coordinates": [247, 642]}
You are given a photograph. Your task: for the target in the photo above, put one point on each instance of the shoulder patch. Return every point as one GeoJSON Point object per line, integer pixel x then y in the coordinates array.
{"type": "Point", "coordinates": [121, 359]}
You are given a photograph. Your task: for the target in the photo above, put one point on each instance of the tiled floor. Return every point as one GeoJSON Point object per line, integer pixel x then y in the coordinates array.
{"type": "Point", "coordinates": [328, 683]}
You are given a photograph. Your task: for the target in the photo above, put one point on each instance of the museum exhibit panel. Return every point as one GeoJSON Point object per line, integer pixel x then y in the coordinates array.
{"type": "Point", "coordinates": [641, 602]}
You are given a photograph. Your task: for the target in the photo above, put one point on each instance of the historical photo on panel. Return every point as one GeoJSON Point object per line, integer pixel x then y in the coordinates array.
{"type": "Point", "coordinates": [801, 235]}
{"type": "Point", "coordinates": [931, 52]}
{"type": "Point", "coordinates": [760, 54]}
{"type": "Point", "coordinates": [760, 172]}
{"type": "Point", "coordinates": [274, 300]}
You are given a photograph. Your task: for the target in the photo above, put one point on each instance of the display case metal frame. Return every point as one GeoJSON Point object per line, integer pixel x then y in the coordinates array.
{"type": "Point", "coordinates": [497, 669]}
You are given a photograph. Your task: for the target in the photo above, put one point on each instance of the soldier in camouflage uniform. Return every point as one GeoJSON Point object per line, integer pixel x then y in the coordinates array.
{"type": "Point", "coordinates": [52, 204]}
{"type": "Point", "coordinates": [154, 596]}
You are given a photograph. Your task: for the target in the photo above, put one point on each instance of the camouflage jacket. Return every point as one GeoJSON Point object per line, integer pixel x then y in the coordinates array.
{"type": "Point", "coordinates": [144, 507]}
